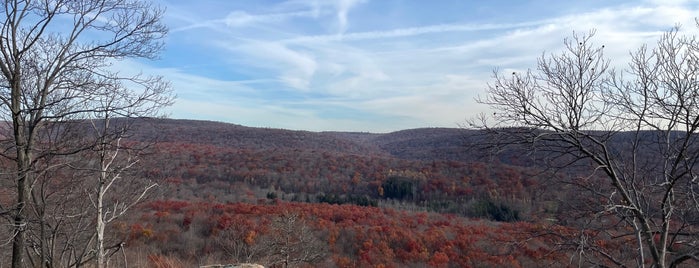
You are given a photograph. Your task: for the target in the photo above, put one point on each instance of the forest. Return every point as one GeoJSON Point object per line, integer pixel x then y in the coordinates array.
{"type": "Point", "coordinates": [224, 193]}
{"type": "Point", "coordinates": [579, 164]}
{"type": "Point", "coordinates": [411, 198]}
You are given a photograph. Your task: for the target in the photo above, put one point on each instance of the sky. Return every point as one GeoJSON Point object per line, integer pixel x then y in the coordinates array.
{"type": "Point", "coordinates": [376, 65]}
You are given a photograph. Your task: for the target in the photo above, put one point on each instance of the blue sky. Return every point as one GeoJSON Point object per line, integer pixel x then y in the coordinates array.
{"type": "Point", "coordinates": [375, 65]}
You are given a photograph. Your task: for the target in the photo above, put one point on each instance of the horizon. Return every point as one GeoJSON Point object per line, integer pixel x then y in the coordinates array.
{"type": "Point", "coordinates": [375, 66]}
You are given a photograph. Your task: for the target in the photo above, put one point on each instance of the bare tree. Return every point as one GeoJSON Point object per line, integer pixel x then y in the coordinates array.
{"type": "Point", "coordinates": [240, 243]}
{"type": "Point", "coordinates": [60, 219]}
{"type": "Point", "coordinates": [55, 56]}
{"type": "Point", "coordinates": [633, 132]}
{"type": "Point", "coordinates": [116, 158]}
{"type": "Point", "coordinates": [292, 243]}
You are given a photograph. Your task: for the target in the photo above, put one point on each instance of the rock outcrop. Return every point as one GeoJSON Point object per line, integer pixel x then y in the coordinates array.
{"type": "Point", "coordinates": [239, 265]}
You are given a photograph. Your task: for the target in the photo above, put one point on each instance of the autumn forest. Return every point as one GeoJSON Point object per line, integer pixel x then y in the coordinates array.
{"type": "Point", "coordinates": [576, 163]}
{"type": "Point", "coordinates": [413, 198]}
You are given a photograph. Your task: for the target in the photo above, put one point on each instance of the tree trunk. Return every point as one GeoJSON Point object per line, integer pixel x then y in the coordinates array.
{"type": "Point", "coordinates": [23, 179]}
{"type": "Point", "coordinates": [23, 193]}
{"type": "Point", "coordinates": [100, 220]}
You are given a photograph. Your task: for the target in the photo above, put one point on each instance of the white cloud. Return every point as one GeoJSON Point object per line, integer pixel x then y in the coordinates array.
{"type": "Point", "coordinates": [408, 32]}
{"type": "Point", "coordinates": [417, 76]}
{"type": "Point", "coordinates": [668, 2]}
{"type": "Point", "coordinates": [295, 68]}
{"type": "Point", "coordinates": [343, 8]}
{"type": "Point", "coordinates": [241, 18]}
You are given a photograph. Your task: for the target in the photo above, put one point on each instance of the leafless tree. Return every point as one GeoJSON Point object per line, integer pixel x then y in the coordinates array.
{"type": "Point", "coordinates": [292, 243]}
{"type": "Point", "coordinates": [56, 56]}
{"type": "Point", "coordinates": [59, 220]}
{"type": "Point", "coordinates": [241, 244]}
{"type": "Point", "coordinates": [115, 158]}
{"type": "Point", "coordinates": [634, 132]}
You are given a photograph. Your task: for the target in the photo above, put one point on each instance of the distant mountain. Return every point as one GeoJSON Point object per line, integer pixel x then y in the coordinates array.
{"type": "Point", "coordinates": [414, 144]}
{"type": "Point", "coordinates": [426, 144]}
{"type": "Point", "coordinates": [231, 135]}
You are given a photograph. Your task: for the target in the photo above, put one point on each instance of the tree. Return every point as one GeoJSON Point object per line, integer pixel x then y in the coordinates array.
{"type": "Point", "coordinates": [633, 133]}
{"type": "Point", "coordinates": [56, 57]}
{"type": "Point", "coordinates": [239, 240]}
{"type": "Point", "coordinates": [116, 158]}
{"type": "Point", "coordinates": [292, 242]}
{"type": "Point", "coordinates": [58, 219]}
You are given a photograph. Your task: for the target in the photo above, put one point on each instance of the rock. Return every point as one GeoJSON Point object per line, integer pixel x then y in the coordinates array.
{"type": "Point", "coordinates": [239, 265]}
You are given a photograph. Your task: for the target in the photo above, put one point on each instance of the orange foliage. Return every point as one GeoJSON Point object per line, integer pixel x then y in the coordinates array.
{"type": "Point", "coordinates": [364, 236]}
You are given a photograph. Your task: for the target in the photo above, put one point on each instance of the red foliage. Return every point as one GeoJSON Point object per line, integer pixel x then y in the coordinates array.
{"type": "Point", "coordinates": [358, 236]}
{"type": "Point", "coordinates": [439, 259]}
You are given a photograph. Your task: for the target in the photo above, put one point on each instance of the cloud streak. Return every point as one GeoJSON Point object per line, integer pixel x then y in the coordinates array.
{"type": "Point", "coordinates": [241, 18]}
{"type": "Point", "coordinates": [366, 66]}
{"type": "Point", "coordinates": [412, 31]}
{"type": "Point", "coordinates": [343, 9]}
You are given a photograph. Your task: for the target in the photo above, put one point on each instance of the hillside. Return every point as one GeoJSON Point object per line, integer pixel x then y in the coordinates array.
{"type": "Point", "coordinates": [236, 136]}
{"type": "Point", "coordinates": [227, 180]}
{"type": "Point", "coordinates": [208, 168]}
{"type": "Point", "coordinates": [414, 144]}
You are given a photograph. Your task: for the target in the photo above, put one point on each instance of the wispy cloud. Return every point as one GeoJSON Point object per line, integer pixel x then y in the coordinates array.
{"type": "Point", "coordinates": [351, 65]}
{"type": "Point", "coordinates": [295, 68]}
{"type": "Point", "coordinates": [241, 18]}
{"type": "Point", "coordinates": [290, 10]}
{"type": "Point", "coordinates": [343, 8]}
{"type": "Point", "coordinates": [412, 31]}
